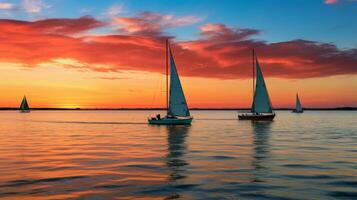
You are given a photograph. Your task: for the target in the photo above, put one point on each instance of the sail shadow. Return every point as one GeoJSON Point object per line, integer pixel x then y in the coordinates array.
{"type": "Point", "coordinates": [261, 149]}
{"type": "Point", "coordinates": [176, 147]}
{"type": "Point", "coordinates": [176, 136]}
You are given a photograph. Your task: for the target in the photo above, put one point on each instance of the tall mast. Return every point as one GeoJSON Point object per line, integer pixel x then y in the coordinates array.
{"type": "Point", "coordinates": [253, 73]}
{"type": "Point", "coordinates": [167, 74]}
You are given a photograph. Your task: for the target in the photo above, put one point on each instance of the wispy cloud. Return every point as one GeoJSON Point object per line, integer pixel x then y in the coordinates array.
{"type": "Point", "coordinates": [222, 32]}
{"type": "Point", "coordinates": [6, 6]}
{"type": "Point", "coordinates": [111, 78]}
{"type": "Point", "coordinates": [85, 11]}
{"type": "Point", "coordinates": [115, 10]}
{"type": "Point", "coordinates": [331, 1]}
{"type": "Point", "coordinates": [34, 6]}
{"type": "Point", "coordinates": [150, 23]}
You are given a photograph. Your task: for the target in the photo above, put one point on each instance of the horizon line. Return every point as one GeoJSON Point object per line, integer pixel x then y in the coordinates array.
{"type": "Point", "coordinates": [217, 108]}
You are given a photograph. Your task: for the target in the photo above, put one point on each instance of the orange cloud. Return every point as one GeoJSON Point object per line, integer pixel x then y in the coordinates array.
{"type": "Point", "coordinates": [221, 52]}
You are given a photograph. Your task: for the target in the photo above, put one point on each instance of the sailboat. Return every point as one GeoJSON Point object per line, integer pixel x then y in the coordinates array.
{"type": "Point", "coordinates": [298, 107]}
{"type": "Point", "coordinates": [24, 107]}
{"type": "Point", "coordinates": [261, 107]}
{"type": "Point", "coordinates": [177, 109]}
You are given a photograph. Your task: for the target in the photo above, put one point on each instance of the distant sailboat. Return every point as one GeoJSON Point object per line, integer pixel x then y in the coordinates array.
{"type": "Point", "coordinates": [261, 108]}
{"type": "Point", "coordinates": [24, 107]}
{"type": "Point", "coordinates": [298, 107]}
{"type": "Point", "coordinates": [177, 109]}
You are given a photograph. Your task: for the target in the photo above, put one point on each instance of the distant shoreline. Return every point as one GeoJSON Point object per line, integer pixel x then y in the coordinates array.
{"type": "Point", "coordinates": [337, 108]}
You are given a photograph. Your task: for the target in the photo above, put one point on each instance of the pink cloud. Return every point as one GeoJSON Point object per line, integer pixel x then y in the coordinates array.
{"type": "Point", "coordinates": [330, 1]}
{"type": "Point", "coordinates": [221, 52]}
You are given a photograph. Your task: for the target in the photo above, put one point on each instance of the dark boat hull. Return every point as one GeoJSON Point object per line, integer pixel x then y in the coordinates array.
{"type": "Point", "coordinates": [257, 117]}
{"type": "Point", "coordinates": [171, 121]}
{"type": "Point", "coordinates": [294, 111]}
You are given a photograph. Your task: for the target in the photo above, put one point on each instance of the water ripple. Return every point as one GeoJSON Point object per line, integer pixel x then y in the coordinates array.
{"type": "Point", "coordinates": [116, 155]}
{"type": "Point", "coordinates": [16, 183]}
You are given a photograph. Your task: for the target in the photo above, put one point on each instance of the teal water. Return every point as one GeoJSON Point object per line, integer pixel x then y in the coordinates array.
{"type": "Point", "coordinates": [116, 155]}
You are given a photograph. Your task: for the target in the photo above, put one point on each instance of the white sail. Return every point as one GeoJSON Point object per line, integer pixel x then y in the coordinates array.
{"type": "Point", "coordinates": [261, 102]}
{"type": "Point", "coordinates": [177, 101]}
{"type": "Point", "coordinates": [298, 104]}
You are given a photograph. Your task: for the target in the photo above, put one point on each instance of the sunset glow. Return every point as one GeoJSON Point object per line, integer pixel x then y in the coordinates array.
{"type": "Point", "coordinates": [114, 58]}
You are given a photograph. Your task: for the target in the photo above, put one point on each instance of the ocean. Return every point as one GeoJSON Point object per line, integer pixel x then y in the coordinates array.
{"type": "Point", "coordinates": [117, 155]}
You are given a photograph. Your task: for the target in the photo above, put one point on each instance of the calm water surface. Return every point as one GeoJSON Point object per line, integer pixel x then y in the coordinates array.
{"type": "Point", "coordinates": [116, 155]}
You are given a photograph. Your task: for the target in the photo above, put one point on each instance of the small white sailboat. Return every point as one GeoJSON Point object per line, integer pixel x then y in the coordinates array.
{"type": "Point", "coordinates": [298, 107]}
{"type": "Point", "coordinates": [177, 109]}
{"type": "Point", "coordinates": [261, 107]}
{"type": "Point", "coordinates": [24, 107]}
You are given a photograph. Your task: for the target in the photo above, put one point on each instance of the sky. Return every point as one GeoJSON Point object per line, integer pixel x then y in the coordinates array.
{"type": "Point", "coordinates": [111, 54]}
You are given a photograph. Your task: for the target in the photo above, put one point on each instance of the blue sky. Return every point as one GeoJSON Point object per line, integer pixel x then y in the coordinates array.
{"type": "Point", "coordinates": [279, 20]}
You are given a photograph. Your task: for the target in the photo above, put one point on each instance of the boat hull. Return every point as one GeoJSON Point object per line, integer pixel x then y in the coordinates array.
{"type": "Point", "coordinates": [294, 111]}
{"type": "Point", "coordinates": [257, 117]}
{"type": "Point", "coordinates": [170, 121]}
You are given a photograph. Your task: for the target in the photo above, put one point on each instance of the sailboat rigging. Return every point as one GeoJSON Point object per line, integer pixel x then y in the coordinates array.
{"type": "Point", "coordinates": [261, 106]}
{"type": "Point", "coordinates": [176, 105]}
